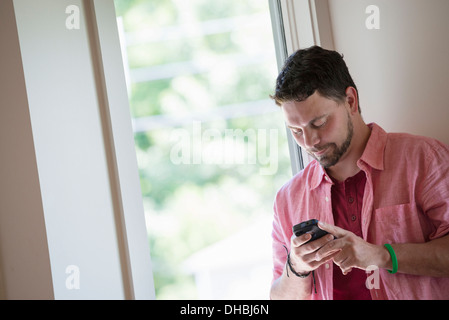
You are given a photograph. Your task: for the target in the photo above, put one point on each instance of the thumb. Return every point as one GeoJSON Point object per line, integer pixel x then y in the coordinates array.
{"type": "Point", "coordinates": [334, 230]}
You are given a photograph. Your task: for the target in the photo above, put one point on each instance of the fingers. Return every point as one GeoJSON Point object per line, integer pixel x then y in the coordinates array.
{"type": "Point", "coordinates": [347, 251]}
{"type": "Point", "coordinates": [299, 241]}
{"type": "Point", "coordinates": [343, 262]}
{"type": "Point", "coordinates": [346, 271]}
{"type": "Point", "coordinates": [329, 248]}
{"type": "Point", "coordinates": [352, 251]}
{"type": "Point", "coordinates": [336, 231]}
{"type": "Point", "coordinates": [303, 253]}
{"type": "Point", "coordinates": [308, 256]}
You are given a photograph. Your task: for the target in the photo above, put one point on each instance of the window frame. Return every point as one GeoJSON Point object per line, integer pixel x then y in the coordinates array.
{"type": "Point", "coordinates": [298, 24]}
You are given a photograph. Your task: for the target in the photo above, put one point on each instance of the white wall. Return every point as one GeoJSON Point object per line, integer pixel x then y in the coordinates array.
{"type": "Point", "coordinates": [78, 137]}
{"type": "Point", "coordinates": [402, 69]}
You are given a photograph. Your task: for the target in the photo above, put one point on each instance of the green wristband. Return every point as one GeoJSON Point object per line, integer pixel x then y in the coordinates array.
{"type": "Point", "coordinates": [393, 258]}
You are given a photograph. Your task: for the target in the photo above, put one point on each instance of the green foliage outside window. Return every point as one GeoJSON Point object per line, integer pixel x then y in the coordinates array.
{"type": "Point", "coordinates": [190, 206]}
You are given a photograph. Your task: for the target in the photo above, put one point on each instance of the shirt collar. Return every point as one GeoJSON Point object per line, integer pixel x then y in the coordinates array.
{"type": "Point", "coordinates": [373, 156]}
{"type": "Point", "coordinates": [319, 175]}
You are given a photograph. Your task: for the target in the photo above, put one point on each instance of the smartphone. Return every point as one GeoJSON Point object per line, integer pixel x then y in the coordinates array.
{"type": "Point", "coordinates": [310, 226]}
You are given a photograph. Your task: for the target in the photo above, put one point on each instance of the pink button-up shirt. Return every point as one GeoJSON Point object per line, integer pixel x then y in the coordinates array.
{"type": "Point", "coordinates": [406, 200]}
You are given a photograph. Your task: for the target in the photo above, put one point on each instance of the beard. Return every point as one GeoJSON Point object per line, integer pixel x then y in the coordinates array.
{"type": "Point", "coordinates": [333, 155]}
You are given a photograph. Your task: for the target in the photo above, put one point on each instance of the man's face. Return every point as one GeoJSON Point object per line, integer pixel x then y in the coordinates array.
{"type": "Point", "coordinates": [321, 126]}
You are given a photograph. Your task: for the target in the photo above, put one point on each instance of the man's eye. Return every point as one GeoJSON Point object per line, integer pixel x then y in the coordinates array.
{"type": "Point", "coordinates": [296, 131]}
{"type": "Point", "coordinates": [319, 123]}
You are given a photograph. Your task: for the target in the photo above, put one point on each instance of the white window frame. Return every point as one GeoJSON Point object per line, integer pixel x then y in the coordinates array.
{"type": "Point", "coordinates": [298, 24]}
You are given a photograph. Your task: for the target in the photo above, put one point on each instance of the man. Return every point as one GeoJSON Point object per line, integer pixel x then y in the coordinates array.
{"type": "Point", "coordinates": [382, 197]}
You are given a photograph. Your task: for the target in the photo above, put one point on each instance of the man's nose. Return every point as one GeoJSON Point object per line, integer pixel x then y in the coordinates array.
{"type": "Point", "coordinates": [311, 138]}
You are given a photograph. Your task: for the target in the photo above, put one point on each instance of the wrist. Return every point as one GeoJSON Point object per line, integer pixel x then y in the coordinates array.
{"type": "Point", "coordinates": [385, 261]}
{"type": "Point", "coordinates": [290, 265]}
{"type": "Point", "coordinates": [393, 259]}
{"type": "Point", "coordinates": [299, 274]}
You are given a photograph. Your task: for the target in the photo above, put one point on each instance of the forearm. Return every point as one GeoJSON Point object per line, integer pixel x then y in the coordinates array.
{"type": "Point", "coordinates": [291, 287]}
{"type": "Point", "coordinates": [428, 259]}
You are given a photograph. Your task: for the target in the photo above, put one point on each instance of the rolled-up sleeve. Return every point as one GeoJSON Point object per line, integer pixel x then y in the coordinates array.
{"type": "Point", "coordinates": [435, 189]}
{"type": "Point", "coordinates": [278, 241]}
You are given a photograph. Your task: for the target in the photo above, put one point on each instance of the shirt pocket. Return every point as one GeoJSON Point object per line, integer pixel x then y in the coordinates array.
{"type": "Point", "coordinates": [398, 224]}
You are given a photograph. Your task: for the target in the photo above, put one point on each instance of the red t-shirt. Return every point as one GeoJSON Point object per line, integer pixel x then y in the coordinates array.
{"type": "Point", "coordinates": [347, 199]}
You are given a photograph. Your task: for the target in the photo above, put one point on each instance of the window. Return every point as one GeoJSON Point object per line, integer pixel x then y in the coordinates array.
{"type": "Point", "coordinates": [211, 146]}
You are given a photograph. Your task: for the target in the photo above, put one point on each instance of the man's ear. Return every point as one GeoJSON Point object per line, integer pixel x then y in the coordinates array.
{"type": "Point", "coordinates": [352, 102]}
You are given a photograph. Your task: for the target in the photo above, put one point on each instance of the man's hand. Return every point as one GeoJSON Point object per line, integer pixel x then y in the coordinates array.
{"type": "Point", "coordinates": [303, 256]}
{"type": "Point", "coordinates": [350, 251]}
{"type": "Point", "coordinates": [303, 260]}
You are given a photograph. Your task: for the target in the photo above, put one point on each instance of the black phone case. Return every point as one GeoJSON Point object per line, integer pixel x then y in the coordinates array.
{"type": "Point", "coordinates": [310, 226]}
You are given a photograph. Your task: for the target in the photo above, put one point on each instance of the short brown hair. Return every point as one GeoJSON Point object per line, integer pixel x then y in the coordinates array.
{"type": "Point", "coordinates": [313, 69]}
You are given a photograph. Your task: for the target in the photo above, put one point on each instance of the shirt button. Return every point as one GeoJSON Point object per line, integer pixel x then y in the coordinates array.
{"type": "Point", "coordinates": [327, 199]}
{"type": "Point", "coordinates": [351, 200]}
{"type": "Point", "coordinates": [353, 218]}
{"type": "Point", "coordinates": [327, 265]}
